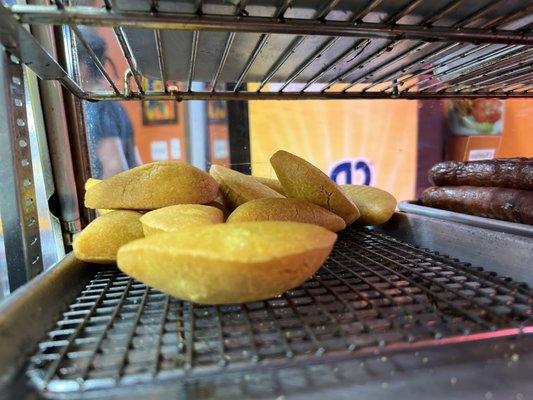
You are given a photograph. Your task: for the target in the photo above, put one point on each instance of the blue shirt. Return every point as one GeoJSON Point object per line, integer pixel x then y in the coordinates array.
{"type": "Point", "coordinates": [106, 119]}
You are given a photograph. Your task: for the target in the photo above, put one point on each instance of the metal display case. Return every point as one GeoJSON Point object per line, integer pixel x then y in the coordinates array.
{"type": "Point", "coordinates": [309, 49]}
{"type": "Point", "coordinates": [420, 307]}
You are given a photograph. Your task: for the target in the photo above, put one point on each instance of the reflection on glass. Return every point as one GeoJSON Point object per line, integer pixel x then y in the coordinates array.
{"type": "Point", "coordinates": [109, 129]}
{"type": "Point", "coordinates": [4, 285]}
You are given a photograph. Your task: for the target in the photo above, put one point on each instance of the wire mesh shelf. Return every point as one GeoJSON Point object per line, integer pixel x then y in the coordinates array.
{"type": "Point", "coordinates": [375, 294]}
{"type": "Point", "coordinates": [308, 49]}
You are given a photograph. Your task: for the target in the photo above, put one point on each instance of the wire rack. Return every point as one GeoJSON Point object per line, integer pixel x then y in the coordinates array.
{"type": "Point", "coordinates": [374, 294]}
{"type": "Point", "coordinates": [307, 49]}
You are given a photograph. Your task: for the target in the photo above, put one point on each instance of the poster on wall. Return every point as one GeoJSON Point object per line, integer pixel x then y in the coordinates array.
{"type": "Point", "coordinates": [474, 117]}
{"type": "Point", "coordinates": [158, 112]}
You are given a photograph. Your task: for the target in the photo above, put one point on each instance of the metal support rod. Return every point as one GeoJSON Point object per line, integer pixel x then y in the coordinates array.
{"type": "Point", "coordinates": [479, 13]}
{"type": "Point", "coordinates": [522, 72]}
{"type": "Point", "coordinates": [355, 51]}
{"type": "Point", "coordinates": [358, 17]}
{"type": "Point", "coordinates": [160, 58]}
{"type": "Point", "coordinates": [239, 10]}
{"type": "Point", "coordinates": [119, 34]}
{"type": "Point", "coordinates": [508, 83]}
{"type": "Point", "coordinates": [357, 65]}
{"type": "Point", "coordinates": [154, 5]}
{"type": "Point", "coordinates": [255, 53]}
{"type": "Point", "coordinates": [489, 25]}
{"type": "Point", "coordinates": [263, 40]}
{"type": "Point", "coordinates": [502, 20]}
{"type": "Point", "coordinates": [521, 84]}
{"type": "Point", "coordinates": [229, 95]}
{"type": "Point", "coordinates": [459, 24]}
{"type": "Point", "coordinates": [194, 51]}
{"type": "Point", "coordinates": [57, 132]}
{"type": "Point", "coordinates": [474, 69]}
{"type": "Point", "coordinates": [392, 20]}
{"type": "Point", "coordinates": [94, 57]}
{"type": "Point", "coordinates": [281, 60]}
{"type": "Point", "coordinates": [18, 205]}
{"type": "Point", "coordinates": [293, 46]}
{"type": "Point", "coordinates": [378, 67]}
{"type": "Point", "coordinates": [497, 68]}
{"type": "Point", "coordinates": [443, 11]}
{"type": "Point", "coordinates": [476, 64]}
{"type": "Point", "coordinates": [422, 71]}
{"type": "Point", "coordinates": [308, 62]}
{"type": "Point", "coordinates": [237, 23]}
{"type": "Point", "coordinates": [330, 42]}
{"type": "Point", "coordinates": [404, 11]}
{"type": "Point", "coordinates": [223, 59]}
{"type": "Point", "coordinates": [326, 9]}
{"type": "Point", "coordinates": [394, 75]}
{"type": "Point", "coordinates": [66, 48]}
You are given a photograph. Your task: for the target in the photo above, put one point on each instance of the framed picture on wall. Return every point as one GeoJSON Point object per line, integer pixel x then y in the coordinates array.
{"type": "Point", "coordinates": [158, 112]}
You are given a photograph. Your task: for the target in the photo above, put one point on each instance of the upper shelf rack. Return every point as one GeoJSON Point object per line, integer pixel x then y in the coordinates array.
{"type": "Point", "coordinates": [291, 49]}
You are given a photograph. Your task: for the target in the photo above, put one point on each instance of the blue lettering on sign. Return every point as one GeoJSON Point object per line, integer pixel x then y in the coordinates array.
{"type": "Point", "coordinates": [358, 172]}
{"type": "Point", "coordinates": [344, 168]}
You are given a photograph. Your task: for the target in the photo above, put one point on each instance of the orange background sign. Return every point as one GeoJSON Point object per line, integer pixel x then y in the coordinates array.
{"type": "Point", "coordinates": [381, 133]}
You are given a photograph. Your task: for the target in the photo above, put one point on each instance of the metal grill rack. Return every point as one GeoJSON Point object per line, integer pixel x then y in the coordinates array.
{"type": "Point", "coordinates": [375, 294]}
{"type": "Point", "coordinates": [306, 49]}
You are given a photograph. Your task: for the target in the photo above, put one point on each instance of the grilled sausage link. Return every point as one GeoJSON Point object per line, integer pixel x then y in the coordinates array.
{"type": "Point", "coordinates": [513, 173]}
{"type": "Point", "coordinates": [500, 203]}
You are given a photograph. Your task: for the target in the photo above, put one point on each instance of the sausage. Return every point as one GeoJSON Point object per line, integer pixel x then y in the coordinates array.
{"type": "Point", "coordinates": [513, 173]}
{"type": "Point", "coordinates": [500, 203]}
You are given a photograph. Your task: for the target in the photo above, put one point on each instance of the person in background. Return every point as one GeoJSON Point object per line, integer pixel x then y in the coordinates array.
{"type": "Point", "coordinates": [109, 129]}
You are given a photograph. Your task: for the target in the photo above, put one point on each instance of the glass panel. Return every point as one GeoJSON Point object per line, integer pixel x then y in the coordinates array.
{"type": "Point", "coordinates": [4, 283]}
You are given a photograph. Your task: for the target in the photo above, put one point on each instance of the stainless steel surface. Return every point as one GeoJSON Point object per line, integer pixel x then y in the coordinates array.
{"type": "Point", "coordinates": [32, 309]}
{"type": "Point", "coordinates": [481, 222]}
{"type": "Point", "coordinates": [503, 253]}
{"type": "Point", "coordinates": [20, 221]}
{"type": "Point", "coordinates": [50, 231]}
{"type": "Point", "coordinates": [374, 295]}
{"type": "Point", "coordinates": [313, 49]}
{"type": "Point", "coordinates": [490, 363]}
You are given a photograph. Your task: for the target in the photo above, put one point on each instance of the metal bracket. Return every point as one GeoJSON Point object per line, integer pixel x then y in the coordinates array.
{"type": "Point", "coordinates": [20, 42]}
{"type": "Point", "coordinates": [17, 192]}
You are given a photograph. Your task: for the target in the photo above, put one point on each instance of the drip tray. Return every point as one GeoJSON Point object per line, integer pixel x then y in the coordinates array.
{"type": "Point", "coordinates": [374, 295]}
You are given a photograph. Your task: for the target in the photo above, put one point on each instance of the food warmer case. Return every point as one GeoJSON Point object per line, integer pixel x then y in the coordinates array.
{"type": "Point", "coordinates": [418, 308]}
